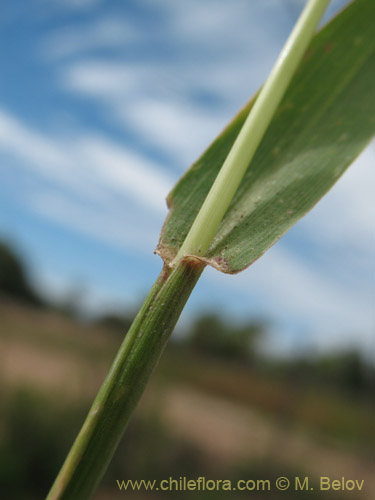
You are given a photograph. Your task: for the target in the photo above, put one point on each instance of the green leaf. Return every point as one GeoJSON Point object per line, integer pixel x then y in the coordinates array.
{"type": "Point", "coordinates": [324, 121]}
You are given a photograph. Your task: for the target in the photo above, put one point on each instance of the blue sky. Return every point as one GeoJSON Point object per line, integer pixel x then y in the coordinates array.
{"type": "Point", "coordinates": [103, 105]}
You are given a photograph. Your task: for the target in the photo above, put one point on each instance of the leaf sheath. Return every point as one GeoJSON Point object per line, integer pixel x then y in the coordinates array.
{"type": "Point", "coordinates": [125, 383]}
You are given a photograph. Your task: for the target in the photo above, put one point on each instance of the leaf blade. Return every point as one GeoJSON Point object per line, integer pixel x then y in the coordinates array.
{"type": "Point", "coordinates": [324, 121]}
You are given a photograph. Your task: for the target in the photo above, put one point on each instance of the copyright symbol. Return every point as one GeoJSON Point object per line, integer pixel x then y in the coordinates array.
{"type": "Point", "coordinates": [282, 483]}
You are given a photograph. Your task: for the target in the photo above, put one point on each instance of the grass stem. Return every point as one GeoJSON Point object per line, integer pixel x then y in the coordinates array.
{"type": "Point", "coordinates": [124, 385]}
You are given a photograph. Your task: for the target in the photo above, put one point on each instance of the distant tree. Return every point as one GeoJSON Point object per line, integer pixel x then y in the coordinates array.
{"type": "Point", "coordinates": [13, 277]}
{"type": "Point", "coordinates": [120, 324]}
{"type": "Point", "coordinates": [346, 370]}
{"type": "Point", "coordinates": [211, 336]}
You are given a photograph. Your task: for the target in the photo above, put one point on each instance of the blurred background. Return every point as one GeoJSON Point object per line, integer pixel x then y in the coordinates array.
{"type": "Point", "coordinates": [103, 105]}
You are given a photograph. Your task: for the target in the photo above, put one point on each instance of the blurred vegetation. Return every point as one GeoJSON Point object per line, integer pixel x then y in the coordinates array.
{"type": "Point", "coordinates": [39, 433]}
{"type": "Point", "coordinates": [211, 336]}
{"type": "Point", "coordinates": [116, 323]}
{"type": "Point", "coordinates": [329, 398]}
{"type": "Point", "coordinates": [14, 280]}
{"type": "Point", "coordinates": [35, 436]}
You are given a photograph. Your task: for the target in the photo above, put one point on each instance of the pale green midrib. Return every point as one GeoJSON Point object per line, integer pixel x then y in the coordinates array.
{"type": "Point", "coordinates": [226, 183]}
{"type": "Point", "coordinates": [342, 85]}
{"type": "Point", "coordinates": [320, 111]}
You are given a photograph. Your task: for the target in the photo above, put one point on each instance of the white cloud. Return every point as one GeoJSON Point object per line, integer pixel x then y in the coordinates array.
{"type": "Point", "coordinates": [93, 183]}
{"type": "Point", "coordinates": [176, 79]}
{"type": "Point", "coordinates": [227, 28]}
{"type": "Point", "coordinates": [77, 4]}
{"type": "Point", "coordinates": [103, 80]}
{"type": "Point", "coordinates": [351, 202]}
{"type": "Point", "coordinates": [71, 41]}
{"type": "Point", "coordinates": [125, 171]}
{"type": "Point", "coordinates": [94, 299]}
{"type": "Point", "coordinates": [86, 164]}
{"type": "Point", "coordinates": [214, 48]}
{"type": "Point", "coordinates": [110, 224]}
{"type": "Point", "coordinates": [178, 128]}
{"type": "Point", "coordinates": [16, 137]}
{"type": "Point", "coordinates": [212, 51]}
{"type": "Point", "coordinates": [155, 103]}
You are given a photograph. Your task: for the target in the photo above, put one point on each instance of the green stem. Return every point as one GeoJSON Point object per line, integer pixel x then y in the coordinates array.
{"type": "Point", "coordinates": [125, 383]}
{"type": "Point", "coordinates": [234, 167]}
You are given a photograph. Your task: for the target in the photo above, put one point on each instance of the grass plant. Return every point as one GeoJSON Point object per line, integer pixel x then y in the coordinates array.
{"type": "Point", "coordinates": [268, 168]}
